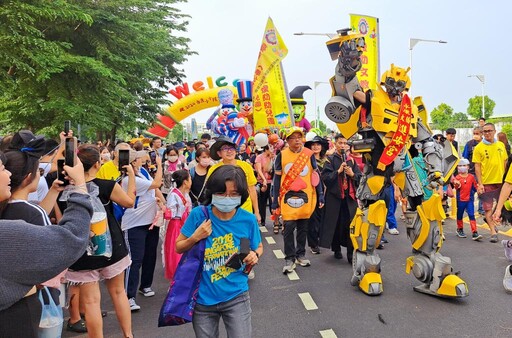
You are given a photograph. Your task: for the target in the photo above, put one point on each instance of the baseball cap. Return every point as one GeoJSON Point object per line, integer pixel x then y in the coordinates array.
{"type": "Point", "coordinates": [137, 154]}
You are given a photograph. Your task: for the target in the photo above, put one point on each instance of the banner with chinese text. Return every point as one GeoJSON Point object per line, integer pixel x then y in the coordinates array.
{"type": "Point", "coordinates": [271, 102]}
{"type": "Point", "coordinates": [368, 26]}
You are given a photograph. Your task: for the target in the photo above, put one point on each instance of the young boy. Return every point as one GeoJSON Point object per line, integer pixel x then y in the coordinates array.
{"type": "Point", "coordinates": [466, 186]}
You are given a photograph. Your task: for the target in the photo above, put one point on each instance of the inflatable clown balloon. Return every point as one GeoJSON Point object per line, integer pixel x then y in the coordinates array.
{"type": "Point", "coordinates": [229, 121]}
{"type": "Point", "coordinates": [299, 107]}
{"type": "Point", "coordinates": [244, 88]}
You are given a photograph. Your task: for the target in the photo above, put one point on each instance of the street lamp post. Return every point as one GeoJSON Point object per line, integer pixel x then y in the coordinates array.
{"type": "Point", "coordinates": [413, 42]}
{"type": "Point", "coordinates": [481, 78]}
{"type": "Point", "coordinates": [317, 111]}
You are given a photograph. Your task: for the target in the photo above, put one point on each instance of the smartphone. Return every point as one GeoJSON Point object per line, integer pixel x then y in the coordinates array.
{"type": "Point", "coordinates": [70, 151]}
{"type": "Point", "coordinates": [60, 169]}
{"type": "Point", "coordinates": [152, 156]}
{"type": "Point", "coordinates": [245, 247]}
{"type": "Point", "coordinates": [234, 261]}
{"type": "Point", "coordinates": [67, 127]}
{"type": "Point", "coordinates": [124, 158]}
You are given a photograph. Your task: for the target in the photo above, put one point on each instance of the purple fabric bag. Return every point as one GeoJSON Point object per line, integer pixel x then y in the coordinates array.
{"type": "Point", "coordinates": [178, 306]}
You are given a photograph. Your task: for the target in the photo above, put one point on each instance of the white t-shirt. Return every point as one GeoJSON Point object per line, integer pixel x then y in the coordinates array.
{"type": "Point", "coordinates": [42, 186]}
{"type": "Point", "coordinates": [146, 207]}
{"type": "Point", "coordinates": [175, 203]}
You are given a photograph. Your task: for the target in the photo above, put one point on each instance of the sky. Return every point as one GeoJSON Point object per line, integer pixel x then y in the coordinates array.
{"type": "Point", "coordinates": [227, 36]}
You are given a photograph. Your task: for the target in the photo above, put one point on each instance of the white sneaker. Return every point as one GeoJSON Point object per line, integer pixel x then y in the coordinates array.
{"type": "Point", "coordinates": [251, 274]}
{"type": "Point", "coordinates": [133, 305]}
{"type": "Point", "coordinates": [507, 280]}
{"type": "Point", "coordinates": [147, 292]}
{"type": "Point", "coordinates": [393, 232]}
{"type": "Point", "coordinates": [302, 261]}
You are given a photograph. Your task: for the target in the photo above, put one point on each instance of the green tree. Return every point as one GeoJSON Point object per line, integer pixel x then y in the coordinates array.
{"type": "Point", "coordinates": [442, 116]}
{"type": "Point", "coordinates": [321, 125]}
{"type": "Point", "coordinates": [507, 129]}
{"type": "Point", "coordinates": [178, 133]}
{"type": "Point", "coordinates": [475, 107]}
{"type": "Point", "coordinates": [102, 64]}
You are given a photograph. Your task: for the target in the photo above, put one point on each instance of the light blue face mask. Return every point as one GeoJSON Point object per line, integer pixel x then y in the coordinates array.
{"type": "Point", "coordinates": [226, 203]}
{"type": "Point", "coordinates": [487, 142]}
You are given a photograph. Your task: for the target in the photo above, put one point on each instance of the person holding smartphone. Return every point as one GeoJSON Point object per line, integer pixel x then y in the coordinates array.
{"type": "Point", "coordinates": [223, 291]}
{"type": "Point", "coordinates": [137, 223]}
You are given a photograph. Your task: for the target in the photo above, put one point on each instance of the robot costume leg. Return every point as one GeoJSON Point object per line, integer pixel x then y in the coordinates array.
{"type": "Point", "coordinates": [365, 232]}
{"type": "Point", "coordinates": [424, 229]}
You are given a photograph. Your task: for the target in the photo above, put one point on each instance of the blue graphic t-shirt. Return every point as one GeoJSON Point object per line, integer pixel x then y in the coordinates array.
{"type": "Point", "coordinates": [218, 282]}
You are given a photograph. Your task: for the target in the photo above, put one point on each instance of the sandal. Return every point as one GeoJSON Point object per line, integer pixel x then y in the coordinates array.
{"type": "Point", "coordinates": [78, 327]}
{"type": "Point", "coordinates": [276, 229]}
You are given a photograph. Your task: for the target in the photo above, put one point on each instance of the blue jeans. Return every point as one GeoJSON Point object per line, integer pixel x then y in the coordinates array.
{"type": "Point", "coordinates": [390, 217]}
{"type": "Point", "coordinates": [143, 249]}
{"type": "Point", "coordinates": [236, 314]}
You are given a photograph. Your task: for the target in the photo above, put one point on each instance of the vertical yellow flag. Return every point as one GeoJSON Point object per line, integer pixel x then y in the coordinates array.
{"type": "Point", "coordinates": [368, 26]}
{"type": "Point", "coordinates": [271, 102]}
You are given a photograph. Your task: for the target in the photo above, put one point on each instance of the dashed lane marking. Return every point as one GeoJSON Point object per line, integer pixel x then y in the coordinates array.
{"type": "Point", "coordinates": [263, 229]}
{"type": "Point", "coordinates": [279, 254]}
{"type": "Point", "coordinates": [293, 275]}
{"type": "Point", "coordinates": [328, 334]}
{"type": "Point", "coordinates": [270, 240]}
{"type": "Point", "coordinates": [308, 301]}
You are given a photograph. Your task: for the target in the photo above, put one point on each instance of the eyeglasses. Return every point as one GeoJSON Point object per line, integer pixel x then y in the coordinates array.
{"type": "Point", "coordinates": [489, 131]}
{"type": "Point", "coordinates": [227, 148]}
{"type": "Point", "coordinates": [295, 138]}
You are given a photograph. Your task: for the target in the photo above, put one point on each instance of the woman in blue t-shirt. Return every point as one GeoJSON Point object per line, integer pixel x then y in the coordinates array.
{"type": "Point", "coordinates": [223, 291]}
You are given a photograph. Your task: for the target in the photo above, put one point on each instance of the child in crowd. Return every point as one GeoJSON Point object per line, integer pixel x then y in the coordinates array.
{"type": "Point", "coordinates": [465, 183]}
{"type": "Point", "coordinates": [179, 204]}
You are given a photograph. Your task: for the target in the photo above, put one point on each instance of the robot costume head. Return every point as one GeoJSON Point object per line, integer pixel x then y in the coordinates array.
{"type": "Point", "coordinates": [396, 80]}
{"type": "Point", "coordinates": [347, 48]}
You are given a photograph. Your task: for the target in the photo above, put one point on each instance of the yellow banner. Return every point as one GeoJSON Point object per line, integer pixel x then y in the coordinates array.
{"type": "Point", "coordinates": [271, 103]}
{"type": "Point", "coordinates": [368, 26]}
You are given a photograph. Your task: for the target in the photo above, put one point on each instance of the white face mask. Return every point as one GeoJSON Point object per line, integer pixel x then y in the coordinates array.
{"type": "Point", "coordinates": [105, 156]}
{"type": "Point", "coordinates": [204, 162]}
{"type": "Point", "coordinates": [172, 158]}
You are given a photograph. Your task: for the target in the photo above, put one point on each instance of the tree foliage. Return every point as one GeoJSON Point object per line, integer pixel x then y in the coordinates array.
{"type": "Point", "coordinates": [475, 107]}
{"type": "Point", "coordinates": [443, 117]}
{"type": "Point", "coordinates": [507, 129]}
{"type": "Point", "coordinates": [102, 64]}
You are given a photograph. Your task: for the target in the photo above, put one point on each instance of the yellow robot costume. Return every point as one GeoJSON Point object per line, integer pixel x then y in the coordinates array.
{"type": "Point", "coordinates": [390, 128]}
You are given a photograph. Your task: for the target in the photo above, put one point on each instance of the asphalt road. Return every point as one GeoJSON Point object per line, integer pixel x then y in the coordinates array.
{"type": "Point", "coordinates": [333, 308]}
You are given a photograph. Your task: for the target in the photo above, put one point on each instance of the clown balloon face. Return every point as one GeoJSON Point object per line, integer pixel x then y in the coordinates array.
{"type": "Point", "coordinates": [225, 97]}
{"type": "Point", "coordinates": [245, 107]}
{"type": "Point", "coordinates": [299, 110]}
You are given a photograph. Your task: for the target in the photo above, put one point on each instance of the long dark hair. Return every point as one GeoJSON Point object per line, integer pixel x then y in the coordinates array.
{"type": "Point", "coordinates": [21, 164]}
{"type": "Point", "coordinates": [216, 183]}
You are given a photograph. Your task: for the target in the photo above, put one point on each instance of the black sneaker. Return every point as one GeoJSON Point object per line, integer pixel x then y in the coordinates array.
{"type": "Point", "coordinates": [476, 236]}
{"type": "Point", "coordinates": [461, 234]}
{"type": "Point", "coordinates": [338, 255]}
{"type": "Point", "coordinates": [315, 250]}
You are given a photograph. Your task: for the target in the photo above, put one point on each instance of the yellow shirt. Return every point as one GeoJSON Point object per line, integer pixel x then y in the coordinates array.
{"type": "Point", "coordinates": [249, 174]}
{"type": "Point", "coordinates": [492, 158]}
{"type": "Point", "coordinates": [108, 171]}
{"type": "Point", "coordinates": [508, 179]}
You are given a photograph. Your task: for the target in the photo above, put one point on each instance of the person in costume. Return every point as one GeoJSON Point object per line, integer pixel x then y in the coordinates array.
{"type": "Point", "coordinates": [388, 123]}
{"type": "Point", "coordinates": [341, 176]}
{"type": "Point", "coordinates": [299, 107]}
{"type": "Point", "coordinates": [296, 190]}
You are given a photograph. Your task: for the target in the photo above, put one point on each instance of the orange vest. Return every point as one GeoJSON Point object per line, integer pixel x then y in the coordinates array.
{"type": "Point", "coordinates": [299, 202]}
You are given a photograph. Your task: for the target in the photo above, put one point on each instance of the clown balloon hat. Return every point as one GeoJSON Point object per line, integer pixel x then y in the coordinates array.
{"type": "Point", "coordinates": [244, 88]}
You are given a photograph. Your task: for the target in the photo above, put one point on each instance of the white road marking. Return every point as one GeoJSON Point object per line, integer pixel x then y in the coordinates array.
{"type": "Point", "coordinates": [328, 334]}
{"type": "Point", "coordinates": [308, 301]}
{"type": "Point", "coordinates": [279, 254]}
{"type": "Point", "coordinates": [263, 229]}
{"type": "Point", "coordinates": [270, 240]}
{"type": "Point", "coordinates": [293, 275]}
